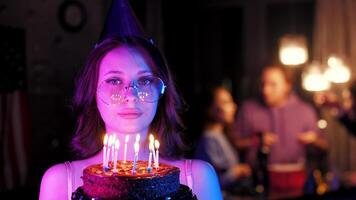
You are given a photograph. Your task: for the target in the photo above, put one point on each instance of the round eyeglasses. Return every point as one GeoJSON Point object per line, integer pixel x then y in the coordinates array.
{"type": "Point", "coordinates": [147, 88]}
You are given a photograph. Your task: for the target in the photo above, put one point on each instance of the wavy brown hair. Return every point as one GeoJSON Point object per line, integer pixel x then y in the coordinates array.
{"type": "Point", "coordinates": [167, 124]}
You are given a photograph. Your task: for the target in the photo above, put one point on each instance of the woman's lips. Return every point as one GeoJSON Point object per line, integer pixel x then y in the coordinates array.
{"type": "Point", "coordinates": [130, 114]}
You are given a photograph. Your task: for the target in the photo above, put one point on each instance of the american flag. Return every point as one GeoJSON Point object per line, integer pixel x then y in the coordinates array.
{"type": "Point", "coordinates": [14, 121]}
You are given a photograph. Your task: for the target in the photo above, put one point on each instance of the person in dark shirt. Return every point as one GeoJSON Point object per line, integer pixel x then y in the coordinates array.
{"type": "Point", "coordinates": [347, 115]}
{"type": "Point", "coordinates": [341, 106]}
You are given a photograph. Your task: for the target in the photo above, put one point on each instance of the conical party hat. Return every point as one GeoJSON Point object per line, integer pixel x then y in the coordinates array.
{"type": "Point", "coordinates": [121, 21]}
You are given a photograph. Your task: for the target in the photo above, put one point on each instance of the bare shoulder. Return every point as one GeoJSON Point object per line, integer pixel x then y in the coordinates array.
{"type": "Point", "coordinates": [203, 170]}
{"type": "Point", "coordinates": [54, 175]}
{"type": "Point", "coordinates": [202, 165]}
{"type": "Point", "coordinates": [205, 179]}
{"type": "Point", "coordinates": [54, 181]}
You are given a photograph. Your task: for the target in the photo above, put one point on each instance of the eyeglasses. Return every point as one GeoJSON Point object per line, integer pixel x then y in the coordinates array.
{"type": "Point", "coordinates": [147, 88]}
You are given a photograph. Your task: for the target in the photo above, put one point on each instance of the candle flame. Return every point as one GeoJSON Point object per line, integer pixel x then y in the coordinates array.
{"type": "Point", "coordinates": [151, 147]}
{"type": "Point", "coordinates": [156, 144]}
{"type": "Point", "coordinates": [138, 136]}
{"type": "Point", "coordinates": [151, 138]}
{"type": "Point", "coordinates": [105, 139]}
{"type": "Point", "coordinates": [110, 140]}
{"type": "Point", "coordinates": [117, 144]}
{"type": "Point", "coordinates": [127, 137]}
{"type": "Point", "coordinates": [113, 139]}
{"type": "Point", "coordinates": [136, 147]}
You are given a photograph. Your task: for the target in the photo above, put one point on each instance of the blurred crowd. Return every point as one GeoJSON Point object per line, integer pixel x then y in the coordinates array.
{"type": "Point", "coordinates": [272, 144]}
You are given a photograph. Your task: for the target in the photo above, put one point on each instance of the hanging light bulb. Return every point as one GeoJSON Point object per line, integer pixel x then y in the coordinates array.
{"type": "Point", "coordinates": [293, 50]}
{"type": "Point", "coordinates": [314, 80]}
{"type": "Point", "coordinates": [334, 61]}
{"type": "Point", "coordinates": [337, 72]}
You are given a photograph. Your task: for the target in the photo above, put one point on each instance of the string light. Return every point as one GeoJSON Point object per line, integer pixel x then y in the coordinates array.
{"type": "Point", "coordinates": [293, 50]}
{"type": "Point", "coordinates": [314, 80]}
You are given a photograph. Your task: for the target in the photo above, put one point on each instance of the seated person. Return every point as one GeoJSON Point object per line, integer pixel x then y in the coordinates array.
{"type": "Point", "coordinates": [214, 145]}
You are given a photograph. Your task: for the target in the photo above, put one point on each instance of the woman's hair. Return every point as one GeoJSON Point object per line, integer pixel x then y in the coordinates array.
{"type": "Point", "coordinates": [167, 124]}
{"type": "Point", "coordinates": [207, 104]}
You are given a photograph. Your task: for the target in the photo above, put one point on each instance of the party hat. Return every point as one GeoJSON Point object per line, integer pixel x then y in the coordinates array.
{"type": "Point", "coordinates": [121, 21]}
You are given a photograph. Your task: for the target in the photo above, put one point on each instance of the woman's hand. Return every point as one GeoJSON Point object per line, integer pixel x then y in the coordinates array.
{"type": "Point", "coordinates": [242, 170]}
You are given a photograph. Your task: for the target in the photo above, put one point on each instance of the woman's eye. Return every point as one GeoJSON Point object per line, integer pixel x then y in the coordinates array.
{"type": "Point", "coordinates": [114, 81]}
{"type": "Point", "coordinates": [144, 81]}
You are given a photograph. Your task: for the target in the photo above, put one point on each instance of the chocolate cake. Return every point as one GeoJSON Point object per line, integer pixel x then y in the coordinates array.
{"type": "Point", "coordinates": [161, 183]}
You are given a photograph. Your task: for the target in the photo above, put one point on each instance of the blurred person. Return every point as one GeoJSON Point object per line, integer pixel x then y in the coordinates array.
{"type": "Point", "coordinates": [285, 125]}
{"type": "Point", "coordinates": [214, 146]}
{"type": "Point", "coordinates": [347, 114]}
{"type": "Point", "coordinates": [341, 106]}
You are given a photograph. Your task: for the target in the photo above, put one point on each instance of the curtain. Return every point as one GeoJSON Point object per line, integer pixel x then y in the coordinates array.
{"type": "Point", "coordinates": [335, 34]}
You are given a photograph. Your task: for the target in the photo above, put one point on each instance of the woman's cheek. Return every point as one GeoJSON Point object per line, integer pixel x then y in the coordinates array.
{"type": "Point", "coordinates": [150, 109]}
{"type": "Point", "coordinates": [108, 113]}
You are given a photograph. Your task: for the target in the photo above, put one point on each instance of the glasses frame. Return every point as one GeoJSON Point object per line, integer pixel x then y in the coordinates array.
{"type": "Point", "coordinates": [134, 85]}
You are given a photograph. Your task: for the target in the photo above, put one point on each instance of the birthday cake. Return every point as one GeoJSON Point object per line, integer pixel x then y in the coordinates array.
{"type": "Point", "coordinates": [123, 183]}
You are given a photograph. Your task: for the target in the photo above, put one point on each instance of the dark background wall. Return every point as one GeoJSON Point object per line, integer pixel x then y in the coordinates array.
{"type": "Point", "coordinates": [206, 43]}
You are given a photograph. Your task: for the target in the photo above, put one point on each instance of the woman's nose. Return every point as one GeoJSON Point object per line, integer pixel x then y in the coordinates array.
{"type": "Point", "coordinates": [131, 94]}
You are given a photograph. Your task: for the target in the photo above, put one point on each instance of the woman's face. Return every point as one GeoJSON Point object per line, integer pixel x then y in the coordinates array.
{"type": "Point", "coordinates": [124, 65]}
{"type": "Point", "coordinates": [225, 107]}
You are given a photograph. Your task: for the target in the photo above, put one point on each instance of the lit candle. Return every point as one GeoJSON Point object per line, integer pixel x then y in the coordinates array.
{"type": "Point", "coordinates": [117, 145]}
{"type": "Point", "coordinates": [136, 148]}
{"type": "Point", "coordinates": [138, 136]}
{"type": "Point", "coordinates": [104, 149]}
{"type": "Point", "coordinates": [157, 153]}
{"type": "Point", "coordinates": [152, 140]}
{"type": "Point", "coordinates": [151, 148]}
{"type": "Point", "coordinates": [127, 137]}
{"type": "Point", "coordinates": [108, 152]}
{"type": "Point", "coordinates": [113, 147]}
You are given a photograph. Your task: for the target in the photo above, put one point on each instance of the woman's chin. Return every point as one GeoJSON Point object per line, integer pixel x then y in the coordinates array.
{"type": "Point", "coordinates": [130, 130]}
{"type": "Point", "coordinates": [128, 126]}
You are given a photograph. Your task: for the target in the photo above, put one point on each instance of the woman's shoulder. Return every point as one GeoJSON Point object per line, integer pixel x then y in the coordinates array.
{"type": "Point", "coordinates": [205, 179]}
{"type": "Point", "coordinates": [195, 164]}
{"type": "Point", "coordinates": [57, 178]}
{"type": "Point", "coordinates": [203, 169]}
{"type": "Point", "coordinates": [200, 164]}
{"type": "Point", "coordinates": [203, 176]}
{"type": "Point", "coordinates": [199, 169]}
{"type": "Point", "coordinates": [55, 172]}
{"type": "Point", "coordinates": [53, 182]}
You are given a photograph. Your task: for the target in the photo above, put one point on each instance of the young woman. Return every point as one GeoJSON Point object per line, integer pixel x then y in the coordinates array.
{"type": "Point", "coordinates": [126, 88]}
{"type": "Point", "coordinates": [214, 146]}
